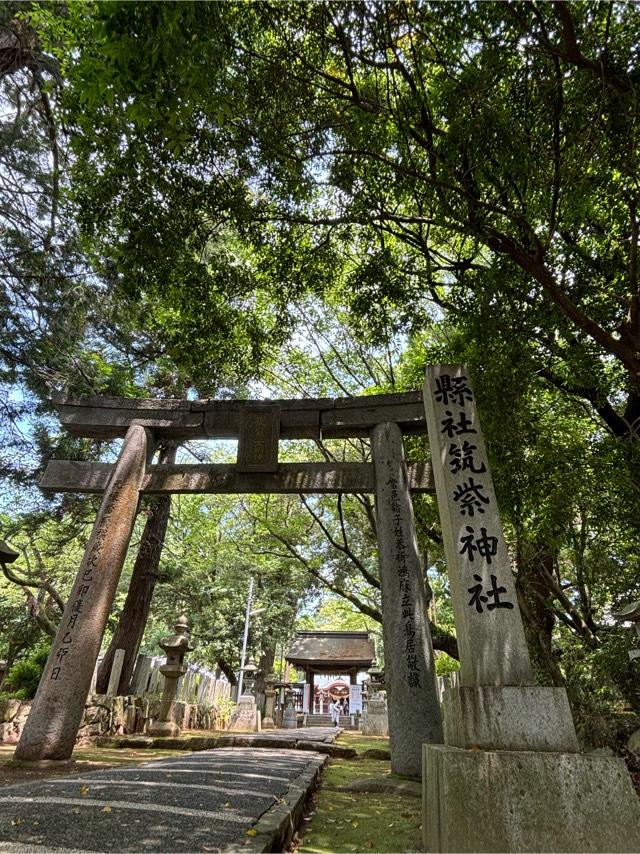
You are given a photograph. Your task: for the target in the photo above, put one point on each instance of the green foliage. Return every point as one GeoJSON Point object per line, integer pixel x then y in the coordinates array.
{"type": "Point", "coordinates": [24, 676]}
{"type": "Point", "coordinates": [223, 708]}
{"type": "Point", "coordinates": [445, 664]}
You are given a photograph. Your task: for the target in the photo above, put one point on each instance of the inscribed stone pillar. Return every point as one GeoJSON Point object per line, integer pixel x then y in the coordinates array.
{"type": "Point", "coordinates": [414, 711]}
{"type": "Point", "coordinates": [493, 649]}
{"type": "Point", "coordinates": [51, 728]}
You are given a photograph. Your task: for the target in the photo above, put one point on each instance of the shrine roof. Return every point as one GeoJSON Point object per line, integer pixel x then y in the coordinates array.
{"type": "Point", "coordinates": [331, 648]}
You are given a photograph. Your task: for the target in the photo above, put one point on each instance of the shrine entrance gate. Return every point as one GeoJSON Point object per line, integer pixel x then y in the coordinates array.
{"type": "Point", "coordinates": [258, 426]}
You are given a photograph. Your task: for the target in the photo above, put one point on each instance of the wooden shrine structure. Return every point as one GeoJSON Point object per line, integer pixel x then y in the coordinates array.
{"type": "Point", "coordinates": [330, 653]}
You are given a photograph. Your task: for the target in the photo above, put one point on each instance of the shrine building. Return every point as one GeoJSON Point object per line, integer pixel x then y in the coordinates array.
{"type": "Point", "coordinates": [329, 654]}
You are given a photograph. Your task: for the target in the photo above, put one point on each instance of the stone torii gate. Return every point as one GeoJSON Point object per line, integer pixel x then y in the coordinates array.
{"type": "Point", "coordinates": [509, 775]}
{"type": "Point", "coordinates": [414, 713]}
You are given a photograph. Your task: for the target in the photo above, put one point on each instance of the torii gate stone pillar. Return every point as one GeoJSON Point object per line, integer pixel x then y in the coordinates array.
{"type": "Point", "coordinates": [510, 776]}
{"type": "Point", "coordinates": [51, 728]}
{"type": "Point", "coordinates": [412, 698]}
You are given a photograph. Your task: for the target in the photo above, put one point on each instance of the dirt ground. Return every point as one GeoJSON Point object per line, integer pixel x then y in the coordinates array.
{"type": "Point", "coordinates": [84, 759]}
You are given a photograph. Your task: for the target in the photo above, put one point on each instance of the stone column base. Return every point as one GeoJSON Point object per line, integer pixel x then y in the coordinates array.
{"type": "Point", "coordinates": [517, 801]}
{"type": "Point", "coordinates": [245, 717]}
{"type": "Point", "coordinates": [268, 723]}
{"type": "Point", "coordinates": [509, 718]}
{"type": "Point", "coordinates": [163, 729]}
{"type": "Point", "coordinates": [375, 724]}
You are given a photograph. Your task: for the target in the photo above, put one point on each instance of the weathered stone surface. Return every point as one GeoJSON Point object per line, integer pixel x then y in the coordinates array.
{"type": "Point", "coordinates": [109, 716]}
{"type": "Point", "coordinates": [493, 649]}
{"type": "Point", "coordinates": [224, 478]}
{"type": "Point", "coordinates": [109, 417]}
{"type": "Point", "coordinates": [258, 438]}
{"type": "Point", "coordinates": [11, 730]}
{"type": "Point", "coordinates": [9, 709]}
{"type": "Point", "coordinates": [245, 715]}
{"type": "Point", "coordinates": [634, 741]}
{"type": "Point", "coordinates": [52, 726]}
{"type": "Point", "coordinates": [375, 721]}
{"type": "Point", "coordinates": [509, 718]}
{"type": "Point", "coordinates": [116, 670]}
{"type": "Point", "coordinates": [477, 800]}
{"type": "Point", "coordinates": [413, 707]}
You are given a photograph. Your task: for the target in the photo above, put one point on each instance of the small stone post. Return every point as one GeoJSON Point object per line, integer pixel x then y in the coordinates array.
{"type": "Point", "coordinates": [52, 726]}
{"type": "Point", "coordinates": [269, 703]}
{"type": "Point", "coordinates": [289, 717]}
{"type": "Point", "coordinates": [413, 707]}
{"type": "Point", "coordinates": [175, 647]}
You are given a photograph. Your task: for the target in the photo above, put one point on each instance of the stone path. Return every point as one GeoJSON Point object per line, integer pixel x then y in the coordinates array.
{"type": "Point", "coordinates": [225, 799]}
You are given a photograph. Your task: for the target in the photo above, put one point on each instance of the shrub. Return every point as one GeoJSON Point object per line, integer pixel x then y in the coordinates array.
{"type": "Point", "coordinates": [23, 678]}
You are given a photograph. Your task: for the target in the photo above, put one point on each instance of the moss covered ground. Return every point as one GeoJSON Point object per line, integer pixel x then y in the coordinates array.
{"type": "Point", "coordinates": [346, 821]}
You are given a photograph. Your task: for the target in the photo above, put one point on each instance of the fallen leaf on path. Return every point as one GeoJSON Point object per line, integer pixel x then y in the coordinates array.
{"type": "Point", "coordinates": [354, 824]}
{"type": "Point", "coordinates": [106, 809]}
{"type": "Point", "coordinates": [15, 821]}
{"type": "Point", "coordinates": [228, 804]}
{"type": "Point", "coordinates": [252, 832]}
{"type": "Point", "coordinates": [84, 791]}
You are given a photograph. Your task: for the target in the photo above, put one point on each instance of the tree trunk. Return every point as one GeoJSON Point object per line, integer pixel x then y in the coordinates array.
{"type": "Point", "coordinates": [133, 619]}
{"type": "Point", "coordinates": [538, 619]}
{"type": "Point", "coordinates": [228, 671]}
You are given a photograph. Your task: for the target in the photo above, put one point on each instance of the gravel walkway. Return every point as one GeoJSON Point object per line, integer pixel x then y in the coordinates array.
{"type": "Point", "coordinates": [207, 801]}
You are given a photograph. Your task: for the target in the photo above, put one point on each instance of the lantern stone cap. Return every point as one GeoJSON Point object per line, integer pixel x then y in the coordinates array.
{"type": "Point", "coordinates": [181, 641]}
{"type": "Point", "coordinates": [630, 613]}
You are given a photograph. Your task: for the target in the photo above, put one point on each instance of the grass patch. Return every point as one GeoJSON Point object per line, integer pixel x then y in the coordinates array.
{"type": "Point", "coordinates": [342, 821]}
{"type": "Point", "coordinates": [351, 738]}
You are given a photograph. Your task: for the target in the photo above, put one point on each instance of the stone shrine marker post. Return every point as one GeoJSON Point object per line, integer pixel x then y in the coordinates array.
{"type": "Point", "coordinates": [509, 776]}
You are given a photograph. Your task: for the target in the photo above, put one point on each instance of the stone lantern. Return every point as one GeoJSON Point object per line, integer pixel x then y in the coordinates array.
{"type": "Point", "coordinates": [270, 699]}
{"type": "Point", "coordinates": [250, 671]}
{"type": "Point", "coordinates": [246, 717]}
{"type": "Point", "coordinates": [376, 681]}
{"type": "Point", "coordinates": [290, 716]}
{"type": "Point", "coordinates": [175, 647]}
{"type": "Point", "coordinates": [375, 721]}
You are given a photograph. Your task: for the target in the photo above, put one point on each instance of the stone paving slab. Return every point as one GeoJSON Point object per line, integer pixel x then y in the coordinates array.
{"type": "Point", "coordinates": [320, 739]}
{"type": "Point", "coordinates": [201, 802]}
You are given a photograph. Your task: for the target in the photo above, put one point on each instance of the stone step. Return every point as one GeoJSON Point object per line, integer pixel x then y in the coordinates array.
{"type": "Point", "coordinates": [325, 720]}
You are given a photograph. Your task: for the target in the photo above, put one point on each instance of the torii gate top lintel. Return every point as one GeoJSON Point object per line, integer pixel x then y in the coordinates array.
{"type": "Point", "coordinates": [299, 418]}
{"type": "Point", "coordinates": [258, 425]}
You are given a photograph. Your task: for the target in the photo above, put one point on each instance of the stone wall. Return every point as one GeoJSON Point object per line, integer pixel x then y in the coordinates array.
{"type": "Point", "coordinates": [105, 715]}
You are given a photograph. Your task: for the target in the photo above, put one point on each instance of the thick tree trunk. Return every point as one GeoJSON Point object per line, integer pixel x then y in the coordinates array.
{"type": "Point", "coordinates": [133, 619]}
{"type": "Point", "coordinates": [538, 619]}
{"type": "Point", "coordinates": [228, 671]}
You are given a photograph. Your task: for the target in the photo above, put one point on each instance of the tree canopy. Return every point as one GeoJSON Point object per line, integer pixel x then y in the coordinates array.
{"type": "Point", "coordinates": [305, 199]}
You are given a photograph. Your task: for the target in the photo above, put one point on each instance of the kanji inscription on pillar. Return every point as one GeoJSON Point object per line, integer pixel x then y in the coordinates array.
{"type": "Point", "coordinates": [491, 640]}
